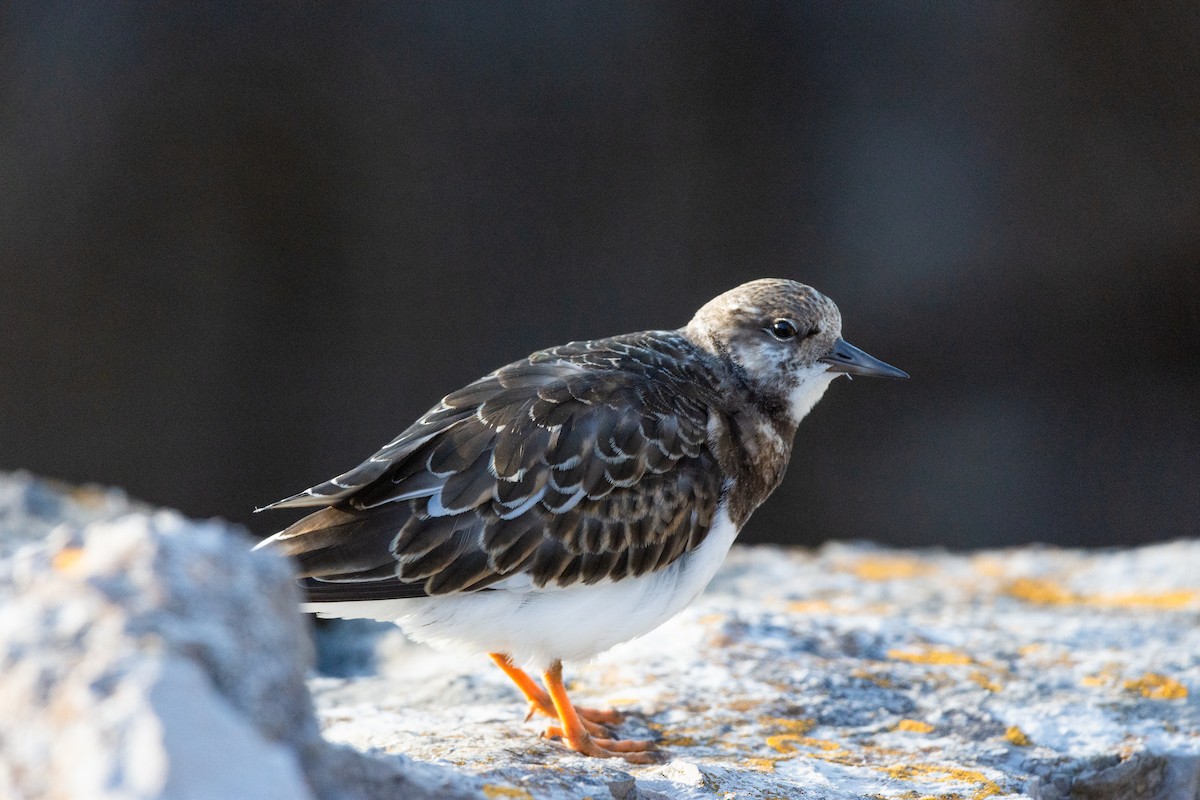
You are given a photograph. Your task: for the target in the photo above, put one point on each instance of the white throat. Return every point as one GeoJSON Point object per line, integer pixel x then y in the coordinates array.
{"type": "Point", "coordinates": [811, 385]}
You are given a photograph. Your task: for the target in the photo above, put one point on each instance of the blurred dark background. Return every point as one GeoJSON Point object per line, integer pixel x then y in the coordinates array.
{"type": "Point", "coordinates": [244, 245]}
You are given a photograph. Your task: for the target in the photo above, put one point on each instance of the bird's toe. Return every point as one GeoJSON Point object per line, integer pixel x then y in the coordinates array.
{"type": "Point", "coordinates": [635, 751]}
{"type": "Point", "coordinates": [604, 716]}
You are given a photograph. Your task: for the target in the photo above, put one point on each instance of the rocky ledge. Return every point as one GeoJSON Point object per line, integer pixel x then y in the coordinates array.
{"type": "Point", "coordinates": [146, 655]}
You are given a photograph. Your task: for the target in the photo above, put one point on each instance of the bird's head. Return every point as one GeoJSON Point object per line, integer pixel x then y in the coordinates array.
{"type": "Point", "coordinates": [783, 340]}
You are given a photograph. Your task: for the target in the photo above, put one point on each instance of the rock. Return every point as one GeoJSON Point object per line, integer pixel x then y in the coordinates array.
{"type": "Point", "coordinates": [148, 656]}
{"type": "Point", "coordinates": [851, 672]}
{"type": "Point", "coordinates": [144, 655]}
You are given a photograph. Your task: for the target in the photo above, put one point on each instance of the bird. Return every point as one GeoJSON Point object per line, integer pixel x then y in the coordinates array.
{"type": "Point", "coordinates": [576, 498]}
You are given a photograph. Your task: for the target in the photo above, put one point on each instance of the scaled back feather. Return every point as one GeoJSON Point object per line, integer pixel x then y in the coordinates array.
{"type": "Point", "coordinates": [573, 466]}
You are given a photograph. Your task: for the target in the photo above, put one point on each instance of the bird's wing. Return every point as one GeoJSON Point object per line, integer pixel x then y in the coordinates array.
{"type": "Point", "coordinates": [436, 421]}
{"type": "Point", "coordinates": [573, 466]}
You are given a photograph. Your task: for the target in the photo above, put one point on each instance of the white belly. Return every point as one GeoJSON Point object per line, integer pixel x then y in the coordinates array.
{"type": "Point", "coordinates": [537, 626]}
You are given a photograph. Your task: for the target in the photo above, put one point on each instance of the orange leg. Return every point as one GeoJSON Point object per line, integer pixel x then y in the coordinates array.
{"type": "Point", "coordinates": [576, 734]}
{"type": "Point", "coordinates": [594, 719]}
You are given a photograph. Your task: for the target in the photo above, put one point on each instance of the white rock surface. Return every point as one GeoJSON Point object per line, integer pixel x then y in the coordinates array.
{"type": "Point", "coordinates": [143, 655]}
{"type": "Point", "coordinates": [853, 672]}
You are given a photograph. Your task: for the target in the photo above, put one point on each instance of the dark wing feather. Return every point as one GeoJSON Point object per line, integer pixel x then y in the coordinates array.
{"type": "Point", "coordinates": [579, 464]}
{"type": "Point", "coordinates": [432, 425]}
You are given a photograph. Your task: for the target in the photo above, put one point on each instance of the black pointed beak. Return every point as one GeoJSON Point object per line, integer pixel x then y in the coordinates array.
{"type": "Point", "coordinates": [847, 358]}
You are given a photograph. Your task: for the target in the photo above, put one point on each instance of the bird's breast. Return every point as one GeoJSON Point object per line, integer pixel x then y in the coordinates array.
{"type": "Point", "coordinates": [753, 450]}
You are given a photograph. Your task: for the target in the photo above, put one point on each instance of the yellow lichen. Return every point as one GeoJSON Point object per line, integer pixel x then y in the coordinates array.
{"type": "Point", "coordinates": [990, 566]}
{"type": "Point", "coordinates": [788, 742]}
{"type": "Point", "coordinates": [786, 725]}
{"type": "Point", "coordinates": [822, 744]}
{"type": "Point", "coordinates": [1181, 598]}
{"type": "Point", "coordinates": [1150, 684]}
{"type": "Point", "coordinates": [784, 743]}
{"type": "Point", "coordinates": [1041, 591]}
{"type": "Point", "coordinates": [933, 656]}
{"type": "Point", "coordinates": [496, 792]}
{"type": "Point", "coordinates": [1157, 687]}
{"type": "Point", "coordinates": [1108, 675]}
{"type": "Point", "coordinates": [914, 726]}
{"type": "Point", "coordinates": [908, 772]}
{"type": "Point", "coordinates": [984, 680]}
{"type": "Point", "coordinates": [886, 569]}
{"type": "Point", "coordinates": [67, 559]}
{"type": "Point", "coordinates": [743, 705]}
{"type": "Point", "coordinates": [1017, 736]}
{"type": "Point", "coordinates": [761, 764]}
{"type": "Point", "coordinates": [882, 681]}
{"type": "Point", "coordinates": [809, 607]}
{"type": "Point", "coordinates": [677, 741]}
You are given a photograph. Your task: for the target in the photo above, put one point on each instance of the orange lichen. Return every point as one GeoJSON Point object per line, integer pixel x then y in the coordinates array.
{"type": "Point", "coordinates": [914, 726]}
{"type": "Point", "coordinates": [1157, 687]}
{"type": "Point", "coordinates": [1017, 736]}
{"type": "Point", "coordinates": [935, 655]}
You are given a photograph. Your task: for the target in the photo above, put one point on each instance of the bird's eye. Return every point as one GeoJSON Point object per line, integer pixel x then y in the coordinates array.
{"type": "Point", "coordinates": [783, 329]}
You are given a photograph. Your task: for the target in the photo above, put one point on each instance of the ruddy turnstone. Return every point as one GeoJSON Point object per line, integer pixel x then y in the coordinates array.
{"type": "Point", "coordinates": [579, 497]}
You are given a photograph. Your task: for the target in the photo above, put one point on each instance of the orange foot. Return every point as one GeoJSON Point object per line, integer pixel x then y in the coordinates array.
{"type": "Point", "coordinates": [635, 751]}
{"type": "Point", "coordinates": [576, 734]}
{"type": "Point", "coordinates": [582, 728]}
{"type": "Point", "coordinates": [594, 719]}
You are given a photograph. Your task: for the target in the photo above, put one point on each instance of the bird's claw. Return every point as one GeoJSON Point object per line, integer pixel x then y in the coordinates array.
{"type": "Point", "coordinates": [596, 720]}
{"type": "Point", "coordinates": [604, 716]}
{"type": "Point", "coordinates": [554, 729]}
{"type": "Point", "coordinates": [635, 751]}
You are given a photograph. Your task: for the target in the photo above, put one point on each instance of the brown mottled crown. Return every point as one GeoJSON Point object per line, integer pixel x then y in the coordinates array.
{"type": "Point", "coordinates": [736, 325]}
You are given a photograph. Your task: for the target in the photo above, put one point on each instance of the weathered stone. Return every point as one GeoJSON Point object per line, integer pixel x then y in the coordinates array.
{"type": "Point", "coordinates": [146, 656]}
{"type": "Point", "coordinates": [851, 672]}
